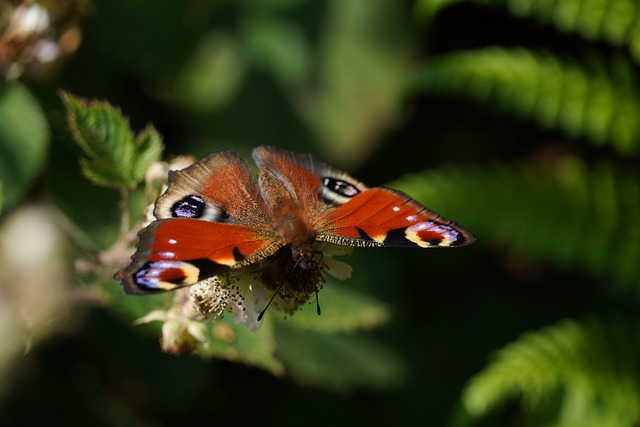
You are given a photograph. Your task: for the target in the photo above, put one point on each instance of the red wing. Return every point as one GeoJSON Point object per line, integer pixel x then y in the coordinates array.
{"type": "Point", "coordinates": [179, 252]}
{"type": "Point", "coordinates": [384, 217]}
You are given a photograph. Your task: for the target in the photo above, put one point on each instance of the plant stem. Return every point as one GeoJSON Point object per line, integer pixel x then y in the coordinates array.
{"type": "Point", "coordinates": [125, 210]}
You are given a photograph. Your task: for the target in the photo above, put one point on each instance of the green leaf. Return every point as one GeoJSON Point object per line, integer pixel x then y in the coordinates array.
{"type": "Point", "coordinates": [362, 68]}
{"type": "Point", "coordinates": [343, 310]}
{"type": "Point", "coordinates": [613, 22]}
{"type": "Point", "coordinates": [148, 150]}
{"type": "Point", "coordinates": [24, 136]}
{"type": "Point", "coordinates": [114, 158]}
{"type": "Point", "coordinates": [569, 215]}
{"type": "Point", "coordinates": [598, 103]}
{"type": "Point", "coordinates": [341, 362]}
{"type": "Point", "coordinates": [101, 173]}
{"type": "Point", "coordinates": [234, 342]}
{"type": "Point", "coordinates": [226, 340]}
{"type": "Point", "coordinates": [280, 47]}
{"type": "Point", "coordinates": [578, 373]}
{"type": "Point", "coordinates": [217, 54]}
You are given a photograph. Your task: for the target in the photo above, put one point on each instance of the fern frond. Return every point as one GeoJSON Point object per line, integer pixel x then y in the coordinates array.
{"type": "Point", "coordinates": [598, 105]}
{"type": "Point", "coordinates": [570, 215]}
{"type": "Point", "coordinates": [581, 373]}
{"type": "Point", "coordinates": [616, 22]}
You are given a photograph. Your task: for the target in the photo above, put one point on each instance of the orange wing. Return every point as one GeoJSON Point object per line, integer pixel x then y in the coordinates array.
{"type": "Point", "coordinates": [178, 252]}
{"type": "Point", "coordinates": [384, 217]}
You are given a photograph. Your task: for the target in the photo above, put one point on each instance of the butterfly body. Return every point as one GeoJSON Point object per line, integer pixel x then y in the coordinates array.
{"type": "Point", "coordinates": [216, 217]}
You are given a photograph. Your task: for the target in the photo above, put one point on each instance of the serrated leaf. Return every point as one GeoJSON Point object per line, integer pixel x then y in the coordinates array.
{"type": "Point", "coordinates": [24, 136]}
{"type": "Point", "coordinates": [102, 174]}
{"type": "Point", "coordinates": [614, 22]}
{"type": "Point", "coordinates": [114, 158]}
{"type": "Point", "coordinates": [342, 310]}
{"type": "Point", "coordinates": [591, 365]}
{"type": "Point", "coordinates": [100, 129]}
{"type": "Point", "coordinates": [340, 362]}
{"type": "Point", "coordinates": [595, 102]}
{"type": "Point", "coordinates": [148, 150]}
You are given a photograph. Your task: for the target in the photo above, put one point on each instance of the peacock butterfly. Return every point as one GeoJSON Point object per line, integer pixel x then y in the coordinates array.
{"type": "Point", "coordinates": [216, 218]}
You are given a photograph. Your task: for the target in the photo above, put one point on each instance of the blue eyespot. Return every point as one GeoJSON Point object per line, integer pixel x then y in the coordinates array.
{"type": "Point", "coordinates": [189, 207]}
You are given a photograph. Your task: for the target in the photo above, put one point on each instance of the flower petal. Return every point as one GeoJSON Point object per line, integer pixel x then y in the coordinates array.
{"type": "Point", "coordinates": [338, 269]}
{"type": "Point", "coordinates": [253, 300]}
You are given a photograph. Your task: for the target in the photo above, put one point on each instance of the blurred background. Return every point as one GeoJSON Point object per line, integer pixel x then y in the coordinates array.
{"type": "Point", "coordinates": [518, 119]}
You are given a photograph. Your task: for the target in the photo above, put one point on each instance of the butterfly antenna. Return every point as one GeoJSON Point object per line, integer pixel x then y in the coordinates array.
{"type": "Point", "coordinates": [261, 315]}
{"type": "Point", "coordinates": [317, 303]}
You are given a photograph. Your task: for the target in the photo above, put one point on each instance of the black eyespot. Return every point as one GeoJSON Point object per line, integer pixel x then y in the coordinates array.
{"type": "Point", "coordinates": [188, 207]}
{"type": "Point", "coordinates": [340, 187]}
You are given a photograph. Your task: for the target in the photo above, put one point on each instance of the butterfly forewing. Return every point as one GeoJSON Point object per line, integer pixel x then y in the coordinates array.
{"type": "Point", "coordinates": [218, 188]}
{"type": "Point", "coordinates": [308, 176]}
{"type": "Point", "coordinates": [384, 217]}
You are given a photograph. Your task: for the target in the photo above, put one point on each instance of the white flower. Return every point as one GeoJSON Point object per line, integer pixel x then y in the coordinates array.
{"type": "Point", "coordinates": [338, 269]}
{"type": "Point", "coordinates": [247, 292]}
{"type": "Point", "coordinates": [240, 292]}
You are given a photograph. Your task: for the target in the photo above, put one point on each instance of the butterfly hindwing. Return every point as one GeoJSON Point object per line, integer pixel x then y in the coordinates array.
{"type": "Point", "coordinates": [173, 253]}
{"type": "Point", "coordinates": [385, 217]}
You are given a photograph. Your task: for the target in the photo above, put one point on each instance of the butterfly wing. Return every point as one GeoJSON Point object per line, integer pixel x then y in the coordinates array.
{"type": "Point", "coordinates": [218, 188]}
{"type": "Point", "coordinates": [308, 177]}
{"type": "Point", "coordinates": [384, 217]}
{"type": "Point", "coordinates": [211, 219]}
{"type": "Point", "coordinates": [352, 214]}
{"type": "Point", "coordinates": [178, 252]}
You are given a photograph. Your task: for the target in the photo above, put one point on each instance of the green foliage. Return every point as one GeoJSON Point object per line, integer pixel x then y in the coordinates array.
{"type": "Point", "coordinates": [582, 373]}
{"type": "Point", "coordinates": [24, 137]}
{"type": "Point", "coordinates": [314, 350]}
{"type": "Point", "coordinates": [343, 310]}
{"type": "Point", "coordinates": [598, 104]}
{"type": "Point", "coordinates": [115, 158]}
{"type": "Point", "coordinates": [569, 215]}
{"type": "Point", "coordinates": [561, 210]}
{"type": "Point", "coordinates": [234, 342]}
{"type": "Point", "coordinates": [340, 76]}
{"type": "Point", "coordinates": [341, 362]}
{"type": "Point", "coordinates": [363, 68]}
{"type": "Point", "coordinates": [614, 21]}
